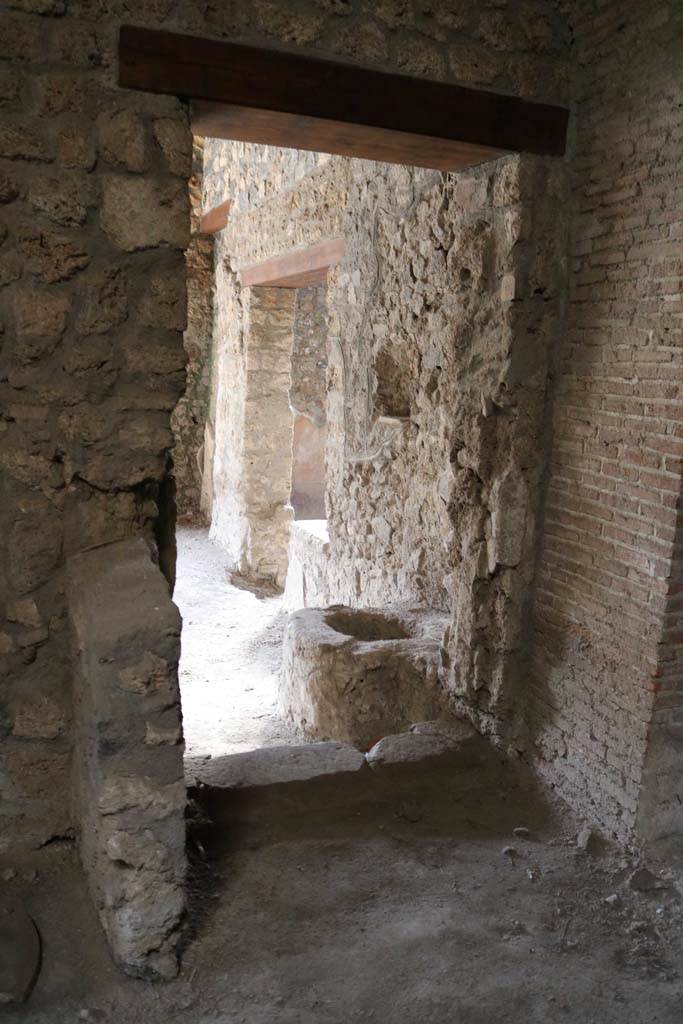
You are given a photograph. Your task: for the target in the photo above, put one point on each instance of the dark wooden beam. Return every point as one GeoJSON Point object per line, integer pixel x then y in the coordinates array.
{"type": "Point", "coordinates": [284, 99]}
{"type": "Point", "coordinates": [295, 269]}
{"type": "Point", "coordinates": [215, 219]}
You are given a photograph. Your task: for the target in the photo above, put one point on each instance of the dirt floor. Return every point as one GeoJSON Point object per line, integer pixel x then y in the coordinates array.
{"type": "Point", "coordinates": [426, 908]}
{"type": "Point", "coordinates": [231, 644]}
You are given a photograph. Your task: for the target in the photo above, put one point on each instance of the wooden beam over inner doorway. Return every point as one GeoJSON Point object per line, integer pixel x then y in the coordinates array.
{"type": "Point", "coordinates": [295, 269]}
{"type": "Point", "coordinates": [283, 99]}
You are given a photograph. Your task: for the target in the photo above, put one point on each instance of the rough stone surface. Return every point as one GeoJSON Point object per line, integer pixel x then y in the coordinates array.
{"type": "Point", "coordinates": [307, 393]}
{"type": "Point", "coordinates": [121, 140]}
{"type": "Point", "coordinates": [190, 420]}
{"type": "Point", "coordinates": [308, 570]}
{"type": "Point", "coordinates": [253, 464]}
{"type": "Point", "coordinates": [142, 213]}
{"type": "Point", "coordinates": [129, 789]}
{"type": "Point", "coordinates": [308, 400]}
{"type": "Point", "coordinates": [86, 387]}
{"type": "Point", "coordinates": [275, 765]}
{"type": "Point", "coordinates": [84, 419]}
{"type": "Point", "coordinates": [442, 318]}
{"type": "Point", "coordinates": [424, 740]}
{"type": "Point", "coordinates": [355, 676]}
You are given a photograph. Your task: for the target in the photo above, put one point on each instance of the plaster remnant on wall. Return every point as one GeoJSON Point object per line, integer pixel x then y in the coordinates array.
{"type": "Point", "coordinates": [509, 515]}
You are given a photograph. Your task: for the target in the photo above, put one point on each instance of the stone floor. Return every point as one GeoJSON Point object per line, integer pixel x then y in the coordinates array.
{"type": "Point", "coordinates": [426, 908]}
{"type": "Point", "coordinates": [231, 650]}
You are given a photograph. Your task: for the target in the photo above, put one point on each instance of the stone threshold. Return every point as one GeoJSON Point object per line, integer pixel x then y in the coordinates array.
{"type": "Point", "coordinates": [282, 765]}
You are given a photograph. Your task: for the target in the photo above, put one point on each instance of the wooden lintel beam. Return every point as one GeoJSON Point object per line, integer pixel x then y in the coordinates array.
{"type": "Point", "coordinates": [295, 269]}
{"type": "Point", "coordinates": [280, 98]}
{"type": "Point", "coordinates": [223, 121]}
{"type": "Point", "coordinates": [215, 219]}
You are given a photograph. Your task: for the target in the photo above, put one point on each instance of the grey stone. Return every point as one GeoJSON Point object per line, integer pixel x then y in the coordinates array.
{"type": "Point", "coordinates": [131, 794]}
{"type": "Point", "coordinates": [274, 765]}
{"type": "Point", "coordinates": [510, 499]}
{"type": "Point", "coordinates": [358, 675]}
{"type": "Point", "coordinates": [643, 880]}
{"type": "Point", "coordinates": [587, 841]}
{"type": "Point", "coordinates": [425, 740]}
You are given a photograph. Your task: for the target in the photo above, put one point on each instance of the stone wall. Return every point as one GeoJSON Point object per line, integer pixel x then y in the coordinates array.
{"type": "Point", "coordinates": [308, 399]}
{"type": "Point", "coordinates": [191, 413]}
{"type": "Point", "coordinates": [442, 315]}
{"type": "Point", "coordinates": [308, 566]}
{"type": "Point", "coordinates": [128, 769]}
{"type": "Point", "coordinates": [92, 275]}
{"type": "Point", "coordinates": [607, 698]}
{"type": "Point", "coordinates": [269, 395]}
{"type": "Point", "coordinates": [307, 393]}
{"type": "Point", "coordinates": [268, 421]}
{"type": "Point", "coordinates": [93, 185]}
{"type": "Point", "coordinates": [92, 303]}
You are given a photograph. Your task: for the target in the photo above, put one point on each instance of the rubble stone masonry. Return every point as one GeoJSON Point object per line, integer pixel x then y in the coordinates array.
{"type": "Point", "coordinates": [455, 279]}
{"type": "Point", "coordinates": [95, 221]}
{"type": "Point", "coordinates": [441, 319]}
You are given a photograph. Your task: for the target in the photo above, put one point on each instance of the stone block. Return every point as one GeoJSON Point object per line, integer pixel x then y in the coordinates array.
{"type": "Point", "coordinates": [423, 741]}
{"type": "Point", "coordinates": [59, 92]}
{"type": "Point", "coordinates": [61, 200]}
{"type": "Point", "coordinates": [308, 565]}
{"type": "Point", "coordinates": [276, 765]}
{"type": "Point", "coordinates": [40, 314]}
{"type": "Point", "coordinates": [164, 303]}
{"type": "Point", "coordinates": [175, 140]}
{"type": "Point", "coordinates": [143, 213]}
{"type": "Point", "coordinates": [34, 550]}
{"type": "Point", "coordinates": [121, 140]}
{"type": "Point", "coordinates": [130, 793]}
{"type": "Point", "coordinates": [39, 716]}
{"type": "Point", "coordinates": [104, 303]}
{"type": "Point", "coordinates": [509, 516]}
{"type": "Point", "coordinates": [52, 257]}
{"type": "Point", "coordinates": [35, 773]}
{"type": "Point", "coordinates": [18, 141]}
{"type": "Point", "coordinates": [76, 146]}
{"type": "Point", "coordinates": [356, 675]}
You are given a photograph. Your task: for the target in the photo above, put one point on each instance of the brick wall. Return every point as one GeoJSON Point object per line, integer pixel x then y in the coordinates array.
{"type": "Point", "coordinates": [601, 662]}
